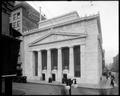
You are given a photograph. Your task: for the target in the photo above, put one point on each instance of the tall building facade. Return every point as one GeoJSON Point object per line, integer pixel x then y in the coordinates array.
{"type": "Point", "coordinates": [9, 49]}
{"type": "Point", "coordinates": [115, 64]}
{"type": "Point", "coordinates": [63, 46]}
{"type": "Point", "coordinates": [10, 44]}
{"type": "Point", "coordinates": [24, 17]}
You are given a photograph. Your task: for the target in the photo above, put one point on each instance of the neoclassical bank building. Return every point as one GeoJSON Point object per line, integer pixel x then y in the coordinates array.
{"type": "Point", "coordinates": [64, 45]}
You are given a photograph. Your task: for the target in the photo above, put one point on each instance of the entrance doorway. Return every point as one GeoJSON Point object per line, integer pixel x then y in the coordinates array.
{"type": "Point", "coordinates": [53, 77]}
{"type": "Point", "coordinates": [65, 76]}
{"type": "Point", "coordinates": [43, 76]}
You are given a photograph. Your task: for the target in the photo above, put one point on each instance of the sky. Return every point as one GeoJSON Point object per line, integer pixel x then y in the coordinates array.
{"type": "Point", "coordinates": [108, 15]}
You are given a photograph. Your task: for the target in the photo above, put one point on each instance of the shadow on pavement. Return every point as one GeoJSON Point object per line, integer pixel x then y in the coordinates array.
{"type": "Point", "coordinates": [18, 92]}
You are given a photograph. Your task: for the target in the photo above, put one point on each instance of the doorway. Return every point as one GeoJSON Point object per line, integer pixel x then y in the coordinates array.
{"type": "Point", "coordinates": [65, 76]}
{"type": "Point", "coordinates": [43, 76]}
{"type": "Point", "coordinates": [53, 77]}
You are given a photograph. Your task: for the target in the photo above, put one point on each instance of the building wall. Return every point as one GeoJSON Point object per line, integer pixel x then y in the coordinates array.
{"type": "Point", "coordinates": [28, 24]}
{"type": "Point", "coordinates": [90, 66]}
{"type": "Point", "coordinates": [91, 53]}
{"type": "Point", "coordinates": [100, 59]}
{"type": "Point", "coordinates": [17, 22]}
{"type": "Point", "coordinates": [5, 24]}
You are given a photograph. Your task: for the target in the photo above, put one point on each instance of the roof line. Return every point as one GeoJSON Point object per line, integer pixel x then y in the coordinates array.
{"type": "Point", "coordinates": [60, 16]}
{"type": "Point", "coordinates": [61, 24]}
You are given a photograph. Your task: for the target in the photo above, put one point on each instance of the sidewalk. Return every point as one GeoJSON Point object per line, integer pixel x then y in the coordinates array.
{"type": "Point", "coordinates": [52, 89]}
{"type": "Point", "coordinates": [38, 89]}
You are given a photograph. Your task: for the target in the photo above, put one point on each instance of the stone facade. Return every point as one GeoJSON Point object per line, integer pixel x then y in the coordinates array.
{"type": "Point", "coordinates": [70, 31]}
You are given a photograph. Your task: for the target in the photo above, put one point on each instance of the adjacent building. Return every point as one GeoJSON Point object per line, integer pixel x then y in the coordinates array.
{"type": "Point", "coordinates": [63, 46]}
{"type": "Point", "coordinates": [24, 17]}
{"type": "Point", "coordinates": [9, 41]}
{"type": "Point", "coordinates": [115, 64]}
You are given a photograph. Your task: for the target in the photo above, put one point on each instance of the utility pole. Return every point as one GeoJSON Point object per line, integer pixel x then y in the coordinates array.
{"type": "Point", "coordinates": [40, 13]}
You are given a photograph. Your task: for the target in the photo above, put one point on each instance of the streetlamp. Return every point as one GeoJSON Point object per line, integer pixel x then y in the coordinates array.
{"type": "Point", "coordinates": [69, 82]}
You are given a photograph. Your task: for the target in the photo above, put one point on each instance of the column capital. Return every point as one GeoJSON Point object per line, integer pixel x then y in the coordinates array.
{"type": "Point", "coordinates": [71, 46]}
{"type": "Point", "coordinates": [39, 50]}
{"type": "Point", "coordinates": [59, 48]}
{"type": "Point", "coordinates": [48, 49]}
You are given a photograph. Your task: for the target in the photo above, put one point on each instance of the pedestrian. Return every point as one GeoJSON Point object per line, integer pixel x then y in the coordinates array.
{"type": "Point", "coordinates": [112, 80]}
{"type": "Point", "coordinates": [108, 82]}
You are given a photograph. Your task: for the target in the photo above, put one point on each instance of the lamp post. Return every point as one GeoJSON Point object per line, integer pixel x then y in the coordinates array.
{"type": "Point", "coordinates": [69, 83]}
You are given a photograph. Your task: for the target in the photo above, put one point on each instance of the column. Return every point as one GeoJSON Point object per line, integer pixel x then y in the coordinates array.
{"type": "Point", "coordinates": [59, 65]}
{"type": "Point", "coordinates": [82, 60]}
{"type": "Point", "coordinates": [39, 64]}
{"type": "Point", "coordinates": [48, 64]}
{"type": "Point", "coordinates": [71, 61]}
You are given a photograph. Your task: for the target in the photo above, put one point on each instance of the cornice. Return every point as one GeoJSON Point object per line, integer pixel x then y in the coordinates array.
{"type": "Point", "coordinates": [75, 36]}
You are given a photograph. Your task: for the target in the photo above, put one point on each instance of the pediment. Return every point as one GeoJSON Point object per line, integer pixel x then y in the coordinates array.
{"type": "Point", "coordinates": [55, 37]}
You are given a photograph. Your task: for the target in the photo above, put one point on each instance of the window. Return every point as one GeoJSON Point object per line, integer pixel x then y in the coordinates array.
{"type": "Point", "coordinates": [54, 58]}
{"type": "Point", "coordinates": [77, 71]}
{"type": "Point", "coordinates": [65, 58]}
{"type": "Point", "coordinates": [36, 62]}
{"type": "Point", "coordinates": [14, 16]}
{"type": "Point", "coordinates": [14, 24]}
{"type": "Point", "coordinates": [18, 23]}
{"type": "Point", "coordinates": [18, 15]}
{"type": "Point", "coordinates": [44, 59]}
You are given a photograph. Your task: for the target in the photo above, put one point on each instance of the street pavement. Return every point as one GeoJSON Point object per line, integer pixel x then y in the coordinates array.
{"type": "Point", "coordinates": [38, 89]}
{"type": "Point", "coordinates": [46, 89]}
